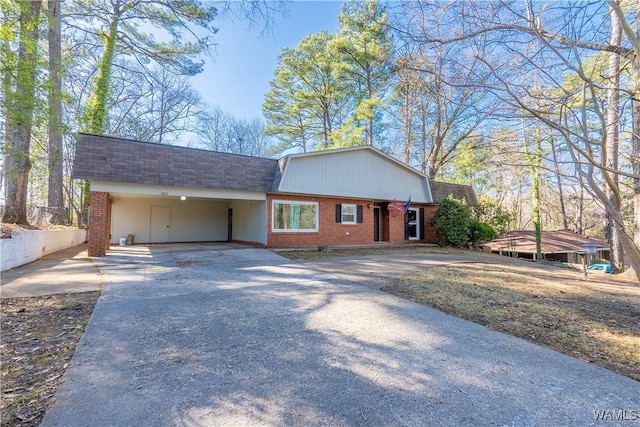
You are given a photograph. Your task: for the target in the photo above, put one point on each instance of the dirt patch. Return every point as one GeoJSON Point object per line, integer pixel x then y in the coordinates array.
{"type": "Point", "coordinates": [597, 320]}
{"type": "Point", "coordinates": [39, 336]}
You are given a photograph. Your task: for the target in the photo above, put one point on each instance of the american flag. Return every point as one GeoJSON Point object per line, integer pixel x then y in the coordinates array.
{"type": "Point", "coordinates": [401, 206]}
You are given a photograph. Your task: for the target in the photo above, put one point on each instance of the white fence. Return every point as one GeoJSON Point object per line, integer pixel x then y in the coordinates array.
{"type": "Point", "coordinates": [29, 245]}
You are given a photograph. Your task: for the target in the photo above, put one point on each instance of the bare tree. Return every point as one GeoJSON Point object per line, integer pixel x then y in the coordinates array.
{"type": "Point", "coordinates": [573, 113]}
{"type": "Point", "coordinates": [454, 101]}
{"type": "Point", "coordinates": [212, 123]}
{"type": "Point", "coordinates": [157, 106]}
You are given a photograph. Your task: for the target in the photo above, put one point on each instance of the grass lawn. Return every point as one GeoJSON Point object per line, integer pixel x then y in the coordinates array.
{"type": "Point", "coordinates": [597, 320]}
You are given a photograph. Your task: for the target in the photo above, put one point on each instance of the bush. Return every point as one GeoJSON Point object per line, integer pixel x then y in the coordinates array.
{"type": "Point", "coordinates": [451, 221]}
{"type": "Point", "coordinates": [480, 232]}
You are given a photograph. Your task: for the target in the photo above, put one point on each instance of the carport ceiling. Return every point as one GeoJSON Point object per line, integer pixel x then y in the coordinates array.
{"type": "Point", "coordinates": [158, 197]}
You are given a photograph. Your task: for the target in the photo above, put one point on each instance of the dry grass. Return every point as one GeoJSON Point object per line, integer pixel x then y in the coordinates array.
{"type": "Point", "coordinates": [366, 251]}
{"type": "Point", "coordinates": [39, 336]}
{"type": "Point", "coordinates": [596, 320]}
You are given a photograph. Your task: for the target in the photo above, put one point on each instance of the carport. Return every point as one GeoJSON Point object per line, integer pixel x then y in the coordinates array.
{"type": "Point", "coordinates": [170, 194]}
{"type": "Point", "coordinates": [186, 218]}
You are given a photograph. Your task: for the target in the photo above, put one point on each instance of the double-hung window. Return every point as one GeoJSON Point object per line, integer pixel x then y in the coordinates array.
{"type": "Point", "coordinates": [294, 216]}
{"type": "Point", "coordinates": [349, 214]}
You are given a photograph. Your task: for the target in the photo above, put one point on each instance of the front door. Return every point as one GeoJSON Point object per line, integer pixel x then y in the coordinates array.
{"type": "Point", "coordinates": [376, 224]}
{"type": "Point", "coordinates": [230, 226]}
{"type": "Point", "coordinates": [413, 224]}
{"type": "Point", "coordinates": [160, 231]}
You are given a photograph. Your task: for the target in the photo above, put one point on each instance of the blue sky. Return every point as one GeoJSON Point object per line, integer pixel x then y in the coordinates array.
{"type": "Point", "coordinates": [238, 77]}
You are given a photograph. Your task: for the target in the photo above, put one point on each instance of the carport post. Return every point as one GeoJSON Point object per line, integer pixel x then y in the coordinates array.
{"type": "Point", "coordinates": [99, 223]}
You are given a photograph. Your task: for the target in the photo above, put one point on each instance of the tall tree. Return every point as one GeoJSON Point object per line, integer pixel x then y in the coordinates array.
{"type": "Point", "coordinates": [120, 24]}
{"type": "Point", "coordinates": [633, 34]}
{"type": "Point", "coordinates": [55, 201]}
{"type": "Point", "coordinates": [20, 100]}
{"type": "Point", "coordinates": [120, 29]}
{"type": "Point", "coordinates": [211, 125]}
{"type": "Point", "coordinates": [534, 158]}
{"type": "Point", "coordinates": [613, 133]}
{"type": "Point", "coordinates": [156, 106]}
{"type": "Point", "coordinates": [411, 98]}
{"type": "Point", "coordinates": [556, 169]}
{"type": "Point", "coordinates": [365, 45]}
{"type": "Point", "coordinates": [305, 93]}
{"type": "Point", "coordinates": [455, 102]}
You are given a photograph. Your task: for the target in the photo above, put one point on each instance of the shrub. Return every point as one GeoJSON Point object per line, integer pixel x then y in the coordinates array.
{"type": "Point", "coordinates": [480, 232]}
{"type": "Point", "coordinates": [451, 221]}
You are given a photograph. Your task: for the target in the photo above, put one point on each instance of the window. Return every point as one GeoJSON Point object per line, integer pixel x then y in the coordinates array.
{"type": "Point", "coordinates": [294, 216]}
{"type": "Point", "coordinates": [348, 214]}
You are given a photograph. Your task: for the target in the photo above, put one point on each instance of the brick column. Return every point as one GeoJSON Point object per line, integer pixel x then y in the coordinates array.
{"type": "Point", "coordinates": [99, 223]}
{"type": "Point", "coordinates": [107, 230]}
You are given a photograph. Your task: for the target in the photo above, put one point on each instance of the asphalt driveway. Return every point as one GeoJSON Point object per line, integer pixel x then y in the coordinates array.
{"type": "Point", "coordinates": [235, 336]}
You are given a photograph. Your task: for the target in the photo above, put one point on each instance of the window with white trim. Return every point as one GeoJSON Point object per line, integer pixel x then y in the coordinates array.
{"type": "Point", "coordinates": [349, 214]}
{"type": "Point", "coordinates": [294, 216]}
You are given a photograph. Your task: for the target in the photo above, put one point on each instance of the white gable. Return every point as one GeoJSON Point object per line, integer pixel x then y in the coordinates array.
{"type": "Point", "coordinates": [361, 172]}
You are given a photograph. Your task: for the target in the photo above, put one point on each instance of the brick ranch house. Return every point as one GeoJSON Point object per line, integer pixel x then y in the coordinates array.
{"type": "Point", "coordinates": [163, 194]}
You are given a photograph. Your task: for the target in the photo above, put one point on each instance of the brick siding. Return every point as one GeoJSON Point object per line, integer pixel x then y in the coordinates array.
{"type": "Point", "coordinates": [99, 223]}
{"type": "Point", "coordinates": [332, 233]}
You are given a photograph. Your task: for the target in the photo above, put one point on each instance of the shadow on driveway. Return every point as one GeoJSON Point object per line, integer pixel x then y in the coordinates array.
{"type": "Point", "coordinates": [217, 336]}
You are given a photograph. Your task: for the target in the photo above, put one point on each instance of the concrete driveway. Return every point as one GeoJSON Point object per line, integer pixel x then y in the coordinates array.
{"type": "Point", "coordinates": [222, 336]}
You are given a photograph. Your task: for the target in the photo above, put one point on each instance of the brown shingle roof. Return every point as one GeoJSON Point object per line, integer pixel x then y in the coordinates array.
{"type": "Point", "coordinates": [442, 190]}
{"type": "Point", "coordinates": [560, 241]}
{"type": "Point", "coordinates": [103, 158]}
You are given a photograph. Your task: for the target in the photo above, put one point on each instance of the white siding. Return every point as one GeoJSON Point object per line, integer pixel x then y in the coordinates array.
{"type": "Point", "coordinates": [191, 220]}
{"type": "Point", "coordinates": [250, 221]}
{"type": "Point", "coordinates": [362, 173]}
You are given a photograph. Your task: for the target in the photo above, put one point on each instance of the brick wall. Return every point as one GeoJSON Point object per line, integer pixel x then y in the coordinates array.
{"type": "Point", "coordinates": [430, 235]}
{"type": "Point", "coordinates": [99, 223]}
{"type": "Point", "coordinates": [332, 233]}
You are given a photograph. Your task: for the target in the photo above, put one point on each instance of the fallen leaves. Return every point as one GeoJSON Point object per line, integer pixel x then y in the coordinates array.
{"type": "Point", "coordinates": [39, 336]}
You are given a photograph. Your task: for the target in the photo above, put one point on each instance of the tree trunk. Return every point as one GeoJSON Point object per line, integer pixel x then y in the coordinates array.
{"type": "Point", "coordinates": [19, 118]}
{"type": "Point", "coordinates": [580, 208]}
{"type": "Point", "coordinates": [95, 120]}
{"type": "Point", "coordinates": [55, 194]}
{"type": "Point", "coordinates": [563, 211]}
{"type": "Point", "coordinates": [612, 140]}
{"type": "Point", "coordinates": [407, 124]}
{"type": "Point", "coordinates": [635, 139]}
{"type": "Point", "coordinates": [423, 137]}
{"type": "Point", "coordinates": [535, 159]}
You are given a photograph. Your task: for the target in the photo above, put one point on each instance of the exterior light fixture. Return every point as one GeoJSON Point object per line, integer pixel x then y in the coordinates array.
{"type": "Point", "coordinates": [183, 198]}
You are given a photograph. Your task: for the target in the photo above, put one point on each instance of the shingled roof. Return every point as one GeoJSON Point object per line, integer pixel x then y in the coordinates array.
{"type": "Point", "coordinates": [560, 241]}
{"type": "Point", "coordinates": [104, 158]}
{"type": "Point", "coordinates": [442, 190]}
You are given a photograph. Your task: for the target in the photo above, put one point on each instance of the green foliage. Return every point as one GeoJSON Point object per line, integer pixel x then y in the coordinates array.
{"type": "Point", "coordinates": [480, 232]}
{"type": "Point", "coordinates": [328, 91]}
{"type": "Point", "coordinates": [306, 96]}
{"type": "Point", "coordinates": [491, 212]}
{"type": "Point", "coordinates": [364, 46]}
{"type": "Point", "coordinates": [451, 222]}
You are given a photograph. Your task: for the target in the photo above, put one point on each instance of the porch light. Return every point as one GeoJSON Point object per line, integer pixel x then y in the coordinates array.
{"type": "Point", "coordinates": [183, 198]}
